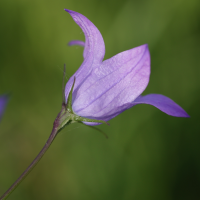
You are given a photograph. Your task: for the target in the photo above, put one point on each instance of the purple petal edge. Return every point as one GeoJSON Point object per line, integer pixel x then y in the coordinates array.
{"type": "Point", "coordinates": [93, 53]}
{"type": "Point", "coordinates": [3, 102]}
{"type": "Point", "coordinates": [76, 42]}
{"type": "Point", "coordinates": [163, 103]}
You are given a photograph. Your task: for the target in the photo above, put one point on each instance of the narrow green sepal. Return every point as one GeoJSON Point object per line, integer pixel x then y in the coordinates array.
{"type": "Point", "coordinates": [64, 120]}
{"type": "Point", "coordinates": [97, 129]}
{"type": "Point", "coordinates": [69, 99]}
{"type": "Point", "coordinates": [67, 116]}
{"type": "Point", "coordinates": [83, 119]}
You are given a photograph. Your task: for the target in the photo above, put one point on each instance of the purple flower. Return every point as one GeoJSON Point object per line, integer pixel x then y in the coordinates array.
{"type": "Point", "coordinates": [3, 102]}
{"type": "Point", "coordinates": [104, 89]}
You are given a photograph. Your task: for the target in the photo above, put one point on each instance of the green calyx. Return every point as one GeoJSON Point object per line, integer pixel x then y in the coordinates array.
{"type": "Point", "coordinates": [67, 116]}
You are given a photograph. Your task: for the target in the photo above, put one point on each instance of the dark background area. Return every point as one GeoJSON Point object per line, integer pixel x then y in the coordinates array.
{"type": "Point", "coordinates": [149, 155]}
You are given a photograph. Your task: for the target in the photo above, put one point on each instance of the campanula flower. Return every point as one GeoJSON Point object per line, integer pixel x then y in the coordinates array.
{"type": "Point", "coordinates": [3, 102]}
{"type": "Point", "coordinates": [104, 89]}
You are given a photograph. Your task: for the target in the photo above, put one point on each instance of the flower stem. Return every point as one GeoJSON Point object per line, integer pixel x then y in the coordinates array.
{"type": "Point", "coordinates": [35, 161]}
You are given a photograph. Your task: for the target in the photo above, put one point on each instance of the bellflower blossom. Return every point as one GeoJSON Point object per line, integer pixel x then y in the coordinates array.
{"type": "Point", "coordinates": [3, 102]}
{"type": "Point", "coordinates": [104, 89]}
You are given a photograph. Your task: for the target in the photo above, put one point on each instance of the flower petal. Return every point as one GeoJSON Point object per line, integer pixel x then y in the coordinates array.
{"type": "Point", "coordinates": [76, 42]}
{"type": "Point", "coordinates": [3, 102]}
{"type": "Point", "coordinates": [93, 52]}
{"type": "Point", "coordinates": [114, 85]}
{"type": "Point", "coordinates": [163, 103]}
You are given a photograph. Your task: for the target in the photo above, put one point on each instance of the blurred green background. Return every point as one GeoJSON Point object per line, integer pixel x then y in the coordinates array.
{"type": "Point", "coordinates": [149, 155]}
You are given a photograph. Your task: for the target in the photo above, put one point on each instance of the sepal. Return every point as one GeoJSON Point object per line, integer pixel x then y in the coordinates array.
{"type": "Point", "coordinates": [67, 115]}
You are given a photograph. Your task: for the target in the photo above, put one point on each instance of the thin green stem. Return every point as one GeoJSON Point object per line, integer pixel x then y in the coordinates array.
{"type": "Point", "coordinates": [65, 117]}
{"type": "Point", "coordinates": [35, 161]}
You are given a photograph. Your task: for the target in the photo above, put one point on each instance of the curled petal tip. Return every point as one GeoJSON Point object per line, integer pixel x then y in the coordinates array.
{"type": "Point", "coordinates": [67, 10]}
{"type": "Point", "coordinates": [163, 103]}
{"type": "Point", "coordinates": [145, 46]}
{"type": "Point", "coordinates": [76, 42]}
{"type": "Point", "coordinates": [185, 115]}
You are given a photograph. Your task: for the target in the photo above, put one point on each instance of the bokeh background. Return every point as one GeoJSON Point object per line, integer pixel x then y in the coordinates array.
{"type": "Point", "coordinates": [149, 155]}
